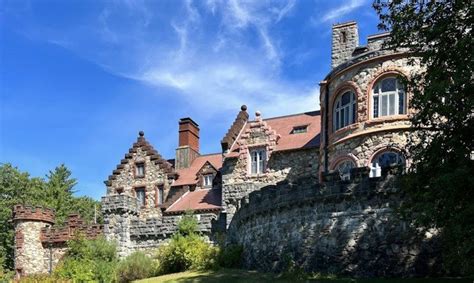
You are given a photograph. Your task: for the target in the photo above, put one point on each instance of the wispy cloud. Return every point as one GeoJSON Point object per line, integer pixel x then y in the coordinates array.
{"type": "Point", "coordinates": [340, 11]}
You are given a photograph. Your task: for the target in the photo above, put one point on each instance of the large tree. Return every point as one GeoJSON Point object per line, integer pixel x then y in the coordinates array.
{"type": "Point", "coordinates": [440, 184]}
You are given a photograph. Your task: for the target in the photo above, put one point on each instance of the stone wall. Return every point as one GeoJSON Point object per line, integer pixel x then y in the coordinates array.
{"type": "Point", "coordinates": [340, 227]}
{"type": "Point", "coordinates": [283, 165]}
{"type": "Point", "coordinates": [123, 224]}
{"type": "Point", "coordinates": [345, 39]}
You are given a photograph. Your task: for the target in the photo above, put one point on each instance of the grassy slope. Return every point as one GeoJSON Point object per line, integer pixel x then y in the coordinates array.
{"type": "Point", "coordinates": [244, 276]}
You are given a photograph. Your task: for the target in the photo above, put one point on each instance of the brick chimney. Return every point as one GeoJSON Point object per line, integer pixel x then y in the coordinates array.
{"type": "Point", "coordinates": [188, 148]}
{"type": "Point", "coordinates": [345, 39]}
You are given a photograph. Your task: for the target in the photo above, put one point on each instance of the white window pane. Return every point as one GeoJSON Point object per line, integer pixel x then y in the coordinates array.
{"type": "Point", "coordinates": [392, 104]}
{"type": "Point", "coordinates": [384, 110]}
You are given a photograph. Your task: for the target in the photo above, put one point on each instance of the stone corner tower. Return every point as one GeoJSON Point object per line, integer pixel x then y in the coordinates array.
{"type": "Point", "coordinates": [30, 255]}
{"type": "Point", "coordinates": [345, 39]}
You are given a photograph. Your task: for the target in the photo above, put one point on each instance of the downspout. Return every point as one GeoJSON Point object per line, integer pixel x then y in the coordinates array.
{"type": "Point", "coordinates": [326, 131]}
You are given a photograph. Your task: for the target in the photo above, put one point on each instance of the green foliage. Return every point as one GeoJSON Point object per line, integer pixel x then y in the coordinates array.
{"type": "Point", "coordinates": [88, 260]}
{"type": "Point", "coordinates": [440, 185]}
{"type": "Point", "coordinates": [230, 256]}
{"type": "Point", "coordinates": [186, 250]}
{"type": "Point", "coordinates": [56, 191]}
{"type": "Point", "coordinates": [135, 266]}
{"type": "Point", "coordinates": [188, 224]}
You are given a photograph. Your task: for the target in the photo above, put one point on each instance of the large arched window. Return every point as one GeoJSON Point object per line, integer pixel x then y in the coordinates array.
{"type": "Point", "coordinates": [344, 168]}
{"type": "Point", "coordinates": [344, 112]}
{"type": "Point", "coordinates": [388, 98]}
{"type": "Point", "coordinates": [385, 159]}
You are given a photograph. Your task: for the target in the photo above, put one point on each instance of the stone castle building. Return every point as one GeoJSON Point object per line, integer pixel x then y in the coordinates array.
{"type": "Point", "coordinates": [288, 180]}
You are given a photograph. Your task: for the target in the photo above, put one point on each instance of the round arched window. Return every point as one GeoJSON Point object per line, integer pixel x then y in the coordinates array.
{"type": "Point", "coordinates": [384, 160]}
{"type": "Point", "coordinates": [344, 168]}
{"type": "Point", "coordinates": [344, 110]}
{"type": "Point", "coordinates": [388, 98]}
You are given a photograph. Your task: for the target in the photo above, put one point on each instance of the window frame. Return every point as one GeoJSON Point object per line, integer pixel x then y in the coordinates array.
{"type": "Point", "coordinates": [138, 165]}
{"type": "Point", "coordinates": [160, 195]}
{"type": "Point", "coordinates": [397, 94]}
{"type": "Point", "coordinates": [260, 163]}
{"type": "Point", "coordinates": [140, 188]}
{"type": "Point", "coordinates": [209, 177]}
{"type": "Point", "coordinates": [338, 109]}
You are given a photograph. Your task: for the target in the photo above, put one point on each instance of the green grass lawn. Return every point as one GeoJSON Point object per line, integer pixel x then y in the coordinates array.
{"type": "Point", "coordinates": [244, 276]}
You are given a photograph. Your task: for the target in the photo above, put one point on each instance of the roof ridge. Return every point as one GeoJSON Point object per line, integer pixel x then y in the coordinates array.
{"type": "Point", "coordinates": [292, 115]}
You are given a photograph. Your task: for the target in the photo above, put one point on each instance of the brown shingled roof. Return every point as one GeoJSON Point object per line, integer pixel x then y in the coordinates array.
{"type": "Point", "coordinates": [200, 200]}
{"type": "Point", "coordinates": [284, 126]}
{"type": "Point", "coordinates": [188, 176]}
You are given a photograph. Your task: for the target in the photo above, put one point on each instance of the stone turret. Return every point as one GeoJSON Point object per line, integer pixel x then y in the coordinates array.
{"type": "Point", "coordinates": [29, 252]}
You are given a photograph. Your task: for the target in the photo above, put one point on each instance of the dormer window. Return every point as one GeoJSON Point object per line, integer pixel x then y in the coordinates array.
{"type": "Point", "coordinates": [300, 129]}
{"type": "Point", "coordinates": [257, 161]}
{"type": "Point", "coordinates": [207, 180]}
{"type": "Point", "coordinates": [140, 170]}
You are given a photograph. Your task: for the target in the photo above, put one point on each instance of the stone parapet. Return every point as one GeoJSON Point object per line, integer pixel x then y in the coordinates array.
{"type": "Point", "coordinates": [120, 204]}
{"type": "Point", "coordinates": [33, 213]}
{"type": "Point", "coordinates": [74, 225]}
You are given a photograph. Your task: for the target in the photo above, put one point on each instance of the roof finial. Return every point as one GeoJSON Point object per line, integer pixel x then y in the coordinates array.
{"type": "Point", "coordinates": [141, 133]}
{"type": "Point", "coordinates": [243, 107]}
{"type": "Point", "coordinates": [258, 114]}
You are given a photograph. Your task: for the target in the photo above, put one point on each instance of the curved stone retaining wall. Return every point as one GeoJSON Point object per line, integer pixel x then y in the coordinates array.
{"type": "Point", "coordinates": [340, 227]}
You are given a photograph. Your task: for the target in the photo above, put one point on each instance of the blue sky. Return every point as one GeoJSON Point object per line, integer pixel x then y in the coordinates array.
{"type": "Point", "coordinates": [79, 79]}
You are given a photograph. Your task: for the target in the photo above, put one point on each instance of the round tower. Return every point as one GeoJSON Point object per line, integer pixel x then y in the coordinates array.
{"type": "Point", "coordinates": [30, 255]}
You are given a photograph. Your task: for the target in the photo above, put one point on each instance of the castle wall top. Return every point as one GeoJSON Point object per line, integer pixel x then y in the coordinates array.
{"type": "Point", "coordinates": [33, 213]}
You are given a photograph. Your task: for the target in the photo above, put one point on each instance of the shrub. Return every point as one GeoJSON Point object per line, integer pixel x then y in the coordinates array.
{"type": "Point", "coordinates": [88, 260]}
{"type": "Point", "coordinates": [187, 250]}
{"type": "Point", "coordinates": [230, 256]}
{"type": "Point", "coordinates": [135, 266]}
{"type": "Point", "coordinates": [44, 278]}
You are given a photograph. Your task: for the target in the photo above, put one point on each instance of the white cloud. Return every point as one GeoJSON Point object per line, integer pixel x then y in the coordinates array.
{"type": "Point", "coordinates": [340, 11]}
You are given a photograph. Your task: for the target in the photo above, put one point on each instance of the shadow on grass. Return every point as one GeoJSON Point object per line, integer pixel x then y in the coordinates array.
{"type": "Point", "coordinates": [235, 275]}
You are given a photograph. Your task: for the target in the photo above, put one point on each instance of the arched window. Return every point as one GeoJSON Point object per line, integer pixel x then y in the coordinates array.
{"type": "Point", "coordinates": [344, 110]}
{"type": "Point", "coordinates": [388, 98]}
{"type": "Point", "coordinates": [385, 159]}
{"type": "Point", "coordinates": [344, 168]}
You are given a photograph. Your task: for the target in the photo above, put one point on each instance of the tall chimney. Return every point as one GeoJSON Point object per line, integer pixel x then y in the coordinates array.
{"type": "Point", "coordinates": [345, 39]}
{"type": "Point", "coordinates": [188, 148]}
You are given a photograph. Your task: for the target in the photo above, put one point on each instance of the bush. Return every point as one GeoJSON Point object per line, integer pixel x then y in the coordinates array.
{"type": "Point", "coordinates": [187, 250]}
{"type": "Point", "coordinates": [135, 266]}
{"type": "Point", "coordinates": [88, 260]}
{"type": "Point", "coordinates": [43, 278]}
{"type": "Point", "coordinates": [231, 256]}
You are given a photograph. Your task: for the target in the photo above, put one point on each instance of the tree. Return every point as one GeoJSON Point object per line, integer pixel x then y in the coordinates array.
{"type": "Point", "coordinates": [440, 184]}
{"type": "Point", "coordinates": [15, 188]}
{"type": "Point", "coordinates": [56, 192]}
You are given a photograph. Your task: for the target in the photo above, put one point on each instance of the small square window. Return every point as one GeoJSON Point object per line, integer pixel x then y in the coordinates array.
{"type": "Point", "coordinates": [300, 129]}
{"type": "Point", "coordinates": [208, 180]}
{"type": "Point", "coordinates": [140, 194]}
{"type": "Point", "coordinates": [140, 170]}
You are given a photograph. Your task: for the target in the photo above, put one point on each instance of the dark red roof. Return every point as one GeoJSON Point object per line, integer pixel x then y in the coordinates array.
{"type": "Point", "coordinates": [284, 126]}
{"type": "Point", "coordinates": [199, 200]}
{"type": "Point", "coordinates": [188, 176]}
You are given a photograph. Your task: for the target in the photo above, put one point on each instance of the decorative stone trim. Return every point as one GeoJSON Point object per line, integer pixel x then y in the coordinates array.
{"type": "Point", "coordinates": [342, 158]}
{"type": "Point", "coordinates": [234, 131]}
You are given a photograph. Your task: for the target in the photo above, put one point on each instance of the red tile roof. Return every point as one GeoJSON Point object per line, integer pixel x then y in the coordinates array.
{"type": "Point", "coordinates": [199, 200]}
{"type": "Point", "coordinates": [284, 126]}
{"type": "Point", "coordinates": [187, 176]}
